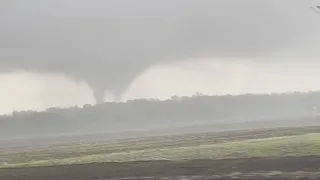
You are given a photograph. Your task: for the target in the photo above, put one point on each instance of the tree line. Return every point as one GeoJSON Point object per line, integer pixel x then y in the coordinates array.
{"type": "Point", "coordinates": [140, 113]}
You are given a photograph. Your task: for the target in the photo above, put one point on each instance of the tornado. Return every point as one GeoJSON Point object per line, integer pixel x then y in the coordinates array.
{"type": "Point", "coordinates": [109, 43]}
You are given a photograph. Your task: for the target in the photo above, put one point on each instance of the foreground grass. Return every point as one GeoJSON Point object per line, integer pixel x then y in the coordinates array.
{"type": "Point", "coordinates": [81, 149]}
{"type": "Point", "coordinates": [296, 145]}
{"type": "Point", "coordinates": [240, 175]}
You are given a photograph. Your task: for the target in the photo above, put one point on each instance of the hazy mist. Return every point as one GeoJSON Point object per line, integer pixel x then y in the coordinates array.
{"type": "Point", "coordinates": [57, 50]}
{"type": "Point", "coordinates": [25, 91]}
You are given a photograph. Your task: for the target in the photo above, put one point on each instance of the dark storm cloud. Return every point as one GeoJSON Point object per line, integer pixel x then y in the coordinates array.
{"type": "Point", "coordinates": [108, 43]}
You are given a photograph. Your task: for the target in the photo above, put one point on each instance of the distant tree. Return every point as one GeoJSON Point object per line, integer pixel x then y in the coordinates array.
{"type": "Point", "coordinates": [144, 112]}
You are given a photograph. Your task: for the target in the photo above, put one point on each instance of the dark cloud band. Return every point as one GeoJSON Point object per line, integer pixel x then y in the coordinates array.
{"type": "Point", "coordinates": [109, 43]}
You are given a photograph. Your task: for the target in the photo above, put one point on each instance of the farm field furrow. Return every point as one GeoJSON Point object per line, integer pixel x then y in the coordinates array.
{"type": "Point", "coordinates": [264, 154]}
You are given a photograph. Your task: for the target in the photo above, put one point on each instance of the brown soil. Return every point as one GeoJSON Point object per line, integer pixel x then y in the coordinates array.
{"type": "Point", "coordinates": [194, 169]}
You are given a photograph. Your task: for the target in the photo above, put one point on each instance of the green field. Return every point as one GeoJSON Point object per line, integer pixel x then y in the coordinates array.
{"type": "Point", "coordinates": [239, 144]}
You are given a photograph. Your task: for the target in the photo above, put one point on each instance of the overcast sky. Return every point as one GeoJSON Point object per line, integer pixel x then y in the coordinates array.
{"type": "Point", "coordinates": [52, 53]}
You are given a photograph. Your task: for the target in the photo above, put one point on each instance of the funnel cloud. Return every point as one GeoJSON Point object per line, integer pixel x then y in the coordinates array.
{"type": "Point", "coordinates": [109, 43]}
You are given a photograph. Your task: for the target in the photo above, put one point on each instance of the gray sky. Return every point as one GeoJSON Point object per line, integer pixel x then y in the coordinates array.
{"type": "Point", "coordinates": [140, 48]}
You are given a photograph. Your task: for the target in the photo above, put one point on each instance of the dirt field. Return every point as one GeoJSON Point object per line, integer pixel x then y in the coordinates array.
{"type": "Point", "coordinates": [285, 153]}
{"type": "Point", "coordinates": [261, 168]}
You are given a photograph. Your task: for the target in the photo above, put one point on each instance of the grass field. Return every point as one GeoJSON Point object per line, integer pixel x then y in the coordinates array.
{"type": "Point", "coordinates": [273, 154]}
{"type": "Point", "coordinates": [238, 144]}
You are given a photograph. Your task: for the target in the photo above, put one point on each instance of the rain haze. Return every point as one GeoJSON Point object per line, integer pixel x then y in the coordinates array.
{"type": "Point", "coordinates": [159, 89]}
{"type": "Point", "coordinates": [73, 52]}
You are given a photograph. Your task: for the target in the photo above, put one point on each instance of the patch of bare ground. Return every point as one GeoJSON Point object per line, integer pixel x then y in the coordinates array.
{"type": "Point", "coordinates": [271, 168]}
